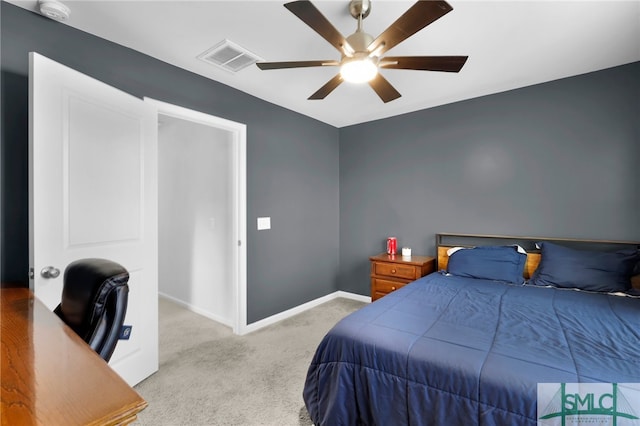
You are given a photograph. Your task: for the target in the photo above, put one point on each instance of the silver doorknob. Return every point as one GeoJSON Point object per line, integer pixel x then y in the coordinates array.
{"type": "Point", "coordinates": [50, 272]}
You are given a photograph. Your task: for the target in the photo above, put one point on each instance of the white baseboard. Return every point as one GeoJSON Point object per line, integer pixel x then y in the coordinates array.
{"type": "Point", "coordinates": [197, 310]}
{"type": "Point", "coordinates": [301, 308]}
{"type": "Point", "coordinates": [352, 296]}
{"type": "Point", "coordinates": [273, 318]}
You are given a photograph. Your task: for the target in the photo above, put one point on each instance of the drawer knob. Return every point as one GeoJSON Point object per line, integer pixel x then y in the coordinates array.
{"type": "Point", "coordinates": [393, 271]}
{"type": "Point", "coordinates": [393, 288]}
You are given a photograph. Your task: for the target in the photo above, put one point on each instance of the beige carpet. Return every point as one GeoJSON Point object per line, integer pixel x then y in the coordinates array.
{"type": "Point", "coordinates": [208, 376]}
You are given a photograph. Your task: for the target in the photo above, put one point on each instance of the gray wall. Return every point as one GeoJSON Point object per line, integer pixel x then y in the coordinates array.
{"type": "Point", "coordinates": [559, 159]}
{"type": "Point", "coordinates": [292, 160]}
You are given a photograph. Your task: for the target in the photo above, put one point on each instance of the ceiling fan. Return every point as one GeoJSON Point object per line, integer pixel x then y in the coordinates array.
{"type": "Point", "coordinates": [362, 54]}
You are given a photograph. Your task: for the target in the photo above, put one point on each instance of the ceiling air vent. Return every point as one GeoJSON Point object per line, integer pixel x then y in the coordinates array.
{"type": "Point", "coordinates": [229, 56]}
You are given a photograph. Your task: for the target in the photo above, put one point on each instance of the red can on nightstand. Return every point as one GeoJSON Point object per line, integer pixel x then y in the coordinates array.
{"type": "Point", "coordinates": [392, 245]}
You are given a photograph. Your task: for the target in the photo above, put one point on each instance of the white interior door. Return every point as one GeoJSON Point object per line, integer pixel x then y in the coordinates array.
{"type": "Point", "coordinates": [93, 193]}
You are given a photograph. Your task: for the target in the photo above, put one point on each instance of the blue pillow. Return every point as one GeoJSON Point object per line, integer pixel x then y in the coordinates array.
{"type": "Point", "coordinates": [587, 270]}
{"type": "Point", "coordinates": [498, 263]}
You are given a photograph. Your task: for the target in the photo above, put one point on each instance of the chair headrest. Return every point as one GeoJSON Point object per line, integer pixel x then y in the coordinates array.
{"type": "Point", "coordinates": [87, 284]}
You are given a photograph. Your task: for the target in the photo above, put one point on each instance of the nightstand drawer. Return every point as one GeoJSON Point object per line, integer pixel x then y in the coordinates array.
{"type": "Point", "coordinates": [390, 272]}
{"type": "Point", "coordinates": [386, 286]}
{"type": "Point", "coordinates": [396, 270]}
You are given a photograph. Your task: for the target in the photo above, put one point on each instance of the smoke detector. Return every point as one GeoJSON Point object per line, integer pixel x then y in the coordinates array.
{"type": "Point", "coordinates": [55, 10]}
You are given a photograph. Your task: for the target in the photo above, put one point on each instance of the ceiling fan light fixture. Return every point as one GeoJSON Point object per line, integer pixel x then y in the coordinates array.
{"type": "Point", "coordinates": [362, 55]}
{"type": "Point", "coordinates": [358, 70]}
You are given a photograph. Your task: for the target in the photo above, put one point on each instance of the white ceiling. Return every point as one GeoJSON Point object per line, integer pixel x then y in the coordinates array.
{"type": "Point", "coordinates": [510, 44]}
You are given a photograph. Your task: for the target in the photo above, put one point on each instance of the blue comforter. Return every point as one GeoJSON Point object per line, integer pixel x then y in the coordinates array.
{"type": "Point", "coordinates": [446, 350]}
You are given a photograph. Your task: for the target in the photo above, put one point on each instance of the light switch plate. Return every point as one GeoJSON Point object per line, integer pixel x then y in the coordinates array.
{"type": "Point", "coordinates": [264, 223]}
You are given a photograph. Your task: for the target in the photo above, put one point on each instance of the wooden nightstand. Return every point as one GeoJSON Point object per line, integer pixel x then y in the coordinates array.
{"type": "Point", "coordinates": [390, 272]}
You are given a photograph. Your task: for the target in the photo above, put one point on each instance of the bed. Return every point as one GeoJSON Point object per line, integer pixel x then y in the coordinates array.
{"type": "Point", "coordinates": [469, 349]}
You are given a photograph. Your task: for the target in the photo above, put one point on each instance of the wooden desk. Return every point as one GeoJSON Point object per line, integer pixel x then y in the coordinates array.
{"type": "Point", "coordinates": [52, 377]}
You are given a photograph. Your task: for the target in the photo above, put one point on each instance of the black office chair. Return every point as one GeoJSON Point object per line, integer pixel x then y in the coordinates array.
{"type": "Point", "coordinates": [94, 302]}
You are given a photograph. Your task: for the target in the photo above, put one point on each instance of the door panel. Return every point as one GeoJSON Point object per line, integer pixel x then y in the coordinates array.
{"type": "Point", "coordinates": [104, 155]}
{"type": "Point", "coordinates": [93, 193]}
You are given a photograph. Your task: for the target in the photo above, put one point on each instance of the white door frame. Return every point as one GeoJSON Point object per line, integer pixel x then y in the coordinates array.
{"type": "Point", "coordinates": [238, 133]}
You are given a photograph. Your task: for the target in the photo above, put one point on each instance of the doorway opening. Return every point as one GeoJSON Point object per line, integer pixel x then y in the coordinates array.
{"type": "Point", "coordinates": [202, 213]}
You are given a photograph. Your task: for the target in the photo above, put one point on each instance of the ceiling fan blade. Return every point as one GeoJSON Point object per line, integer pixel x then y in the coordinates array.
{"type": "Point", "coordinates": [327, 88]}
{"type": "Point", "coordinates": [413, 20]}
{"type": "Point", "coordinates": [295, 64]}
{"type": "Point", "coordinates": [310, 15]}
{"type": "Point", "coordinates": [384, 89]}
{"type": "Point", "coordinates": [424, 63]}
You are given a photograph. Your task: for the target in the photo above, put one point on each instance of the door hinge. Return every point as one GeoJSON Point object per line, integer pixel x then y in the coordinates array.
{"type": "Point", "coordinates": [31, 274]}
{"type": "Point", "coordinates": [239, 243]}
